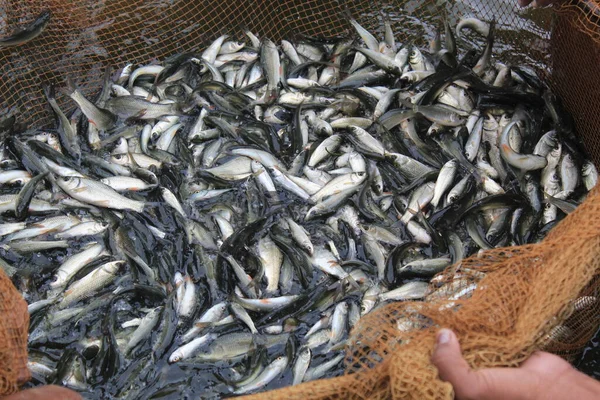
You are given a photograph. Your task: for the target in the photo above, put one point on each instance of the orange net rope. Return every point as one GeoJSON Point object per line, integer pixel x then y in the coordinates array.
{"type": "Point", "coordinates": [14, 325]}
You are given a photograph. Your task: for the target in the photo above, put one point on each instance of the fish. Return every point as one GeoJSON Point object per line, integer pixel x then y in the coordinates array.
{"type": "Point", "coordinates": [235, 211]}
{"type": "Point", "coordinates": [188, 349]}
{"type": "Point", "coordinates": [210, 316]}
{"type": "Point", "coordinates": [76, 262]}
{"type": "Point", "coordinates": [234, 345]}
{"type": "Point", "coordinates": [93, 281]}
{"type": "Point", "coordinates": [134, 107]}
{"type": "Point", "coordinates": [319, 371]}
{"type": "Point", "coordinates": [523, 162]}
{"type": "Point", "coordinates": [271, 258]}
{"type": "Point", "coordinates": [97, 193]}
{"type": "Point", "coordinates": [270, 372]}
{"type": "Point", "coordinates": [102, 119]}
{"type": "Point", "coordinates": [301, 365]}
{"type": "Point", "coordinates": [144, 328]}
{"type": "Point", "coordinates": [29, 32]}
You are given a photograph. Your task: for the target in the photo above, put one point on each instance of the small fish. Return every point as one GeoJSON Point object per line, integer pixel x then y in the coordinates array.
{"type": "Point", "coordinates": [408, 291]}
{"type": "Point", "coordinates": [270, 372]}
{"type": "Point", "coordinates": [126, 183]}
{"type": "Point", "coordinates": [210, 316]}
{"type": "Point", "coordinates": [523, 162]}
{"type": "Point", "coordinates": [301, 365]}
{"type": "Point", "coordinates": [444, 181]}
{"type": "Point", "coordinates": [271, 259]}
{"type": "Point", "coordinates": [339, 321]}
{"type": "Point", "coordinates": [97, 193]}
{"type": "Point", "coordinates": [144, 328]}
{"type": "Point", "coordinates": [100, 118]}
{"type": "Point", "coordinates": [89, 284]}
{"type": "Point", "coordinates": [28, 33]}
{"type": "Point", "coordinates": [319, 371]}
{"type": "Point", "coordinates": [76, 262]}
{"type": "Point", "coordinates": [189, 300]}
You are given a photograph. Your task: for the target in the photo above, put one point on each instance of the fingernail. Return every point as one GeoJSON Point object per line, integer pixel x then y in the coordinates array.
{"type": "Point", "coordinates": [444, 336]}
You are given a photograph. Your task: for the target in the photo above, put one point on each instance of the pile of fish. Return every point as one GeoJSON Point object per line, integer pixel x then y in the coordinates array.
{"type": "Point", "coordinates": [218, 223]}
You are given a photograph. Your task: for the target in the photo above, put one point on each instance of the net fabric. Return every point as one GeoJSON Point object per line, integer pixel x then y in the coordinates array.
{"type": "Point", "coordinates": [14, 325]}
{"type": "Point", "coordinates": [527, 298]}
{"type": "Point", "coordinates": [574, 58]}
{"type": "Point", "coordinates": [85, 37]}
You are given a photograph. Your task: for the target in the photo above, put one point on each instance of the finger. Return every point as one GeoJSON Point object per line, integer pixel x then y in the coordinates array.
{"type": "Point", "coordinates": [492, 383]}
{"type": "Point", "coordinates": [452, 367]}
{"type": "Point", "coordinates": [524, 3]}
{"type": "Point", "coordinates": [50, 392]}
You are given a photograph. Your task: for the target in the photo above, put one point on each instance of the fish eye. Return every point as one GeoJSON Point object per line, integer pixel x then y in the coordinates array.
{"type": "Point", "coordinates": [91, 352]}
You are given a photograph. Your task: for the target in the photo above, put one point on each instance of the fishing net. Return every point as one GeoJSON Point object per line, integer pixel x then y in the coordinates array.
{"type": "Point", "coordinates": [541, 296]}
{"type": "Point", "coordinates": [14, 325]}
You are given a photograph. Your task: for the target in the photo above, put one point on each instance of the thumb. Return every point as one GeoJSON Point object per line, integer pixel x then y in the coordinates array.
{"type": "Point", "coordinates": [452, 367]}
{"type": "Point", "coordinates": [488, 383]}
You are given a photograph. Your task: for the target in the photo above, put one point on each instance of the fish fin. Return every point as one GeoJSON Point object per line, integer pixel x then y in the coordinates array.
{"type": "Point", "coordinates": [49, 91]}
{"type": "Point", "coordinates": [259, 340]}
{"type": "Point", "coordinates": [337, 347]}
{"type": "Point", "coordinates": [140, 114]}
{"type": "Point", "coordinates": [70, 87]}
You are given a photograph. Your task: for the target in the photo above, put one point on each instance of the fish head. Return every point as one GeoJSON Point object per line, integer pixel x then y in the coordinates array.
{"type": "Point", "coordinates": [68, 182]}
{"type": "Point", "coordinates": [175, 357]}
{"type": "Point", "coordinates": [344, 307]}
{"type": "Point", "coordinates": [113, 267]}
{"type": "Point", "coordinates": [120, 159]}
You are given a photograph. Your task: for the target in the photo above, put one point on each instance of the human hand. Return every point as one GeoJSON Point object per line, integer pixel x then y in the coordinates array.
{"type": "Point", "coordinates": [49, 392]}
{"type": "Point", "coordinates": [542, 376]}
{"type": "Point", "coordinates": [535, 3]}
